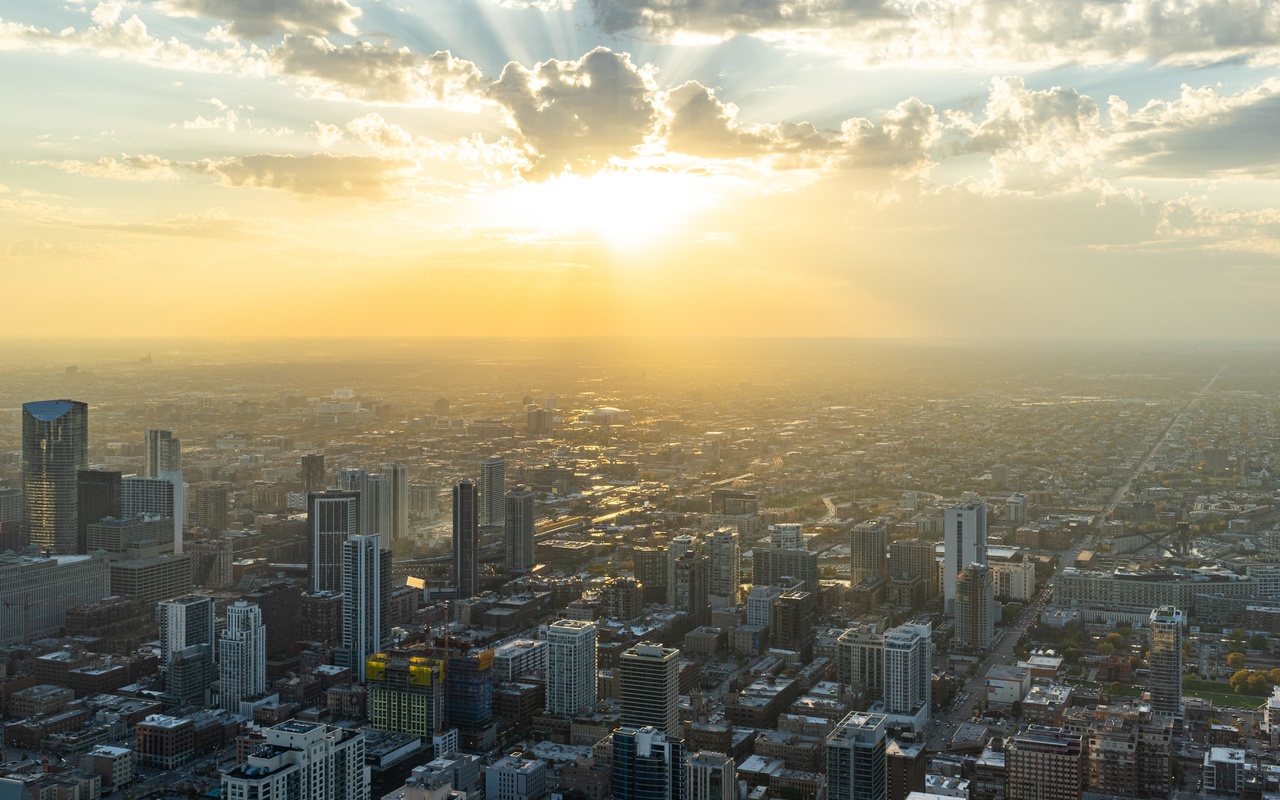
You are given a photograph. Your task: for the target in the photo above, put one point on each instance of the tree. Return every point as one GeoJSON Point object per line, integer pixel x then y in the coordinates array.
{"type": "Point", "coordinates": [1275, 675]}
{"type": "Point", "coordinates": [1235, 660]}
{"type": "Point", "coordinates": [1016, 708]}
{"type": "Point", "coordinates": [1259, 641]}
{"type": "Point", "coordinates": [1106, 649]}
{"type": "Point", "coordinates": [1236, 638]}
{"type": "Point", "coordinates": [1116, 640]}
{"type": "Point", "coordinates": [1258, 683]}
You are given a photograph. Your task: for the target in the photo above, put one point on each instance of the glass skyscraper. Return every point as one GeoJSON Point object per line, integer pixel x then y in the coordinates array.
{"type": "Point", "coordinates": [55, 446]}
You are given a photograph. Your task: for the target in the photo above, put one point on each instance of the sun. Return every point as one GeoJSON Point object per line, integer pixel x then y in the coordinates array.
{"type": "Point", "coordinates": [624, 209]}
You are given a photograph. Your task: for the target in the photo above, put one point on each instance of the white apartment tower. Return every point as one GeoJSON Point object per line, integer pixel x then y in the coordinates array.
{"type": "Point", "coordinates": [242, 655]}
{"type": "Point", "coordinates": [908, 673]}
{"type": "Point", "coordinates": [678, 547]}
{"type": "Point", "coordinates": [965, 543]}
{"type": "Point", "coordinates": [571, 666]}
{"type": "Point", "coordinates": [301, 761]}
{"type": "Point", "coordinates": [493, 490]}
{"type": "Point", "coordinates": [724, 566]}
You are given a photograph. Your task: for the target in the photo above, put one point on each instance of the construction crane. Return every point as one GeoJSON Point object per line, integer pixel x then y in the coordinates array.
{"type": "Point", "coordinates": [26, 605]}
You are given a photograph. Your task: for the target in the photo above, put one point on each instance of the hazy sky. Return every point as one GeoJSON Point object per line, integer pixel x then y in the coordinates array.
{"type": "Point", "coordinates": [941, 168]}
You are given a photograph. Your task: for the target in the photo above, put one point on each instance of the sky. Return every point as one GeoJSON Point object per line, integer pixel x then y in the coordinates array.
{"type": "Point", "coordinates": [865, 168]}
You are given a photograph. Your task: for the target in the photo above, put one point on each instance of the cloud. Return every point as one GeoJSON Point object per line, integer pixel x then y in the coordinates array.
{"type": "Point", "coordinates": [701, 125]}
{"type": "Point", "coordinates": [215, 223]}
{"type": "Point", "coordinates": [729, 17]}
{"type": "Point", "coordinates": [127, 168]}
{"type": "Point", "coordinates": [258, 18]}
{"type": "Point", "coordinates": [376, 73]}
{"type": "Point", "coordinates": [577, 115]}
{"type": "Point", "coordinates": [368, 177]}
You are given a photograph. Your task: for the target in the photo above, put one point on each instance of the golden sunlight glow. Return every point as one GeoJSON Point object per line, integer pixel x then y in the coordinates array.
{"type": "Point", "coordinates": [623, 209]}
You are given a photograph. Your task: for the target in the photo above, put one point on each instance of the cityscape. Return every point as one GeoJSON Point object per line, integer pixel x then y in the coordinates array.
{"type": "Point", "coordinates": [523, 570]}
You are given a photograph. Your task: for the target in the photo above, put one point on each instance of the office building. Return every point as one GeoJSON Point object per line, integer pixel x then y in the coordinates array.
{"type": "Point", "coordinates": [163, 453]}
{"type": "Point", "coordinates": [469, 697]}
{"type": "Point", "coordinates": [724, 566]}
{"type": "Point", "coordinates": [915, 558]}
{"type": "Point", "coordinates": [571, 667]}
{"type": "Point", "coordinates": [678, 546]}
{"type": "Point", "coordinates": [313, 473]}
{"type": "Point", "coordinates": [186, 648]}
{"type": "Point", "coordinates": [162, 496]}
{"type": "Point", "coordinates": [406, 693]}
{"type": "Point", "coordinates": [515, 778]}
{"type": "Point", "coordinates": [242, 655]}
{"type": "Point", "coordinates": [648, 765]}
{"type": "Point", "coordinates": [36, 592]}
{"type": "Point", "coordinates": [860, 658]}
{"type": "Point", "coordinates": [332, 518]}
{"type": "Point", "coordinates": [908, 674]}
{"type": "Point", "coordinates": [366, 588]}
{"type": "Point", "coordinates": [300, 760]}
{"type": "Point", "coordinates": [690, 587]}
{"type": "Point", "coordinates": [1044, 763]}
{"type": "Point", "coordinates": [965, 543]}
{"type": "Point", "coordinates": [98, 496]}
{"type": "Point", "coordinates": [211, 501]}
{"type": "Point", "coordinates": [1015, 509]}
{"type": "Point", "coordinates": [867, 543]}
{"type": "Point", "coordinates": [466, 539]}
{"type": "Point", "coordinates": [375, 499]}
{"type": "Point", "coordinates": [651, 570]}
{"type": "Point", "coordinates": [856, 758]}
{"type": "Point", "coordinates": [760, 602]}
{"type": "Point", "coordinates": [975, 609]}
{"type": "Point", "coordinates": [711, 777]}
{"type": "Point", "coordinates": [12, 507]}
{"type": "Point", "coordinates": [649, 686]}
{"type": "Point", "coordinates": [150, 580]}
{"type": "Point", "coordinates": [398, 500]}
{"type": "Point", "coordinates": [55, 446]}
{"type": "Point", "coordinates": [519, 530]}
{"type": "Point", "coordinates": [493, 488]}
{"type": "Point", "coordinates": [1164, 663]}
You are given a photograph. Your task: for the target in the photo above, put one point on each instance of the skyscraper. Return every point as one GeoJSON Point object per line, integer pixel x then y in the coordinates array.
{"type": "Point", "coordinates": [1165, 661]}
{"type": "Point", "coordinates": [313, 472]}
{"type": "Point", "coordinates": [493, 488]}
{"type": "Point", "coordinates": [724, 567]}
{"type": "Point", "coordinates": [375, 499]}
{"type": "Point", "coordinates": [398, 499]}
{"type": "Point", "coordinates": [98, 496]}
{"type": "Point", "coordinates": [867, 543]}
{"type": "Point", "coordinates": [966, 543]}
{"type": "Point", "coordinates": [711, 777]}
{"type": "Point", "coordinates": [856, 762]}
{"type": "Point", "coordinates": [302, 761]}
{"type": "Point", "coordinates": [571, 666]}
{"type": "Point", "coordinates": [908, 674]}
{"type": "Point", "coordinates": [332, 517]}
{"type": "Point", "coordinates": [163, 453]}
{"type": "Point", "coordinates": [469, 697]}
{"type": "Point", "coordinates": [1044, 764]}
{"type": "Point", "coordinates": [915, 558]}
{"type": "Point", "coordinates": [519, 529]}
{"type": "Point", "coordinates": [466, 539]}
{"type": "Point", "coordinates": [678, 546]}
{"type": "Point", "coordinates": [55, 446]}
{"type": "Point", "coordinates": [975, 608]}
{"type": "Point", "coordinates": [211, 500]}
{"type": "Point", "coordinates": [406, 693]}
{"type": "Point", "coordinates": [691, 587]}
{"type": "Point", "coordinates": [163, 495]}
{"type": "Point", "coordinates": [647, 765]}
{"type": "Point", "coordinates": [649, 685]}
{"type": "Point", "coordinates": [366, 588]}
{"type": "Point", "coordinates": [186, 647]}
{"type": "Point", "coordinates": [242, 655]}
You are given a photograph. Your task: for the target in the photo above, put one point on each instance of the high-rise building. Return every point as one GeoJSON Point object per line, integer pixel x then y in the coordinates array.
{"type": "Point", "coordinates": [98, 496]}
{"type": "Point", "coordinates": [856, 760]}
{"type": "Point", "coordinates": [571, 666]}
{"type": "Point", "coordinates": [242, 655]}
{"type": "Point", "coordinates": [773, 567]}
{"type": "Point", "coordinates": [366, 588]}
{"type": "Point", "coordinates": [186, 647]}
{"type": "Point", "coordinates": [724, 566]}
{"type": "Point", "coordinates": [515, 778]}
{"type": "Point", "coordinates": [35, 592]}
{"type": "Point", "coordinates": [301, 761]}
{"type": "Point", "coordinates": [332, 517]}
{"type": "Point", "coordinates": [867, 542]}
{"type": "Point", "coordinates": [965, 528]}
{"type": "Point", "coordinates": [678, 546]}
{"type": "Point", "coordinates": [1164, 663]}
{"type": "Point", "coordinates": [398, 500]}
{"type": "Point", "coordinates": [1015, 509]}
{"type": "Point", "coordinates": [211, 500]}
{"type": "Point", "coordinates": [466, 539]}
{"type": "Point", "coordinates": [787, 536]}
{"type": "Point", "coordinates": [162, 496]}
{"type": "Point", "coordinates": [711, 777]}
{"type": "Point", "coordinates": [1044, 764]}
{"type": "Point", "coordinates": [406, 693]}
{"type": "Point", "coordinates": [651, 570]}
{"type": "Point", "coordinates": [648, 765]}
{"type": "Point", "coordinates": [791, 624]}
{"type": "Point", "coordinates": [860, 658]}
{"type": "Point", "coordinates": [493, 488]}
{"type": "Point", "coordinates": [908, 674]}
{"type": "Point", "coordinates": [55, 446]}
{"type": "Point", "coordinates": [469, 697]}
{"type": "Point", "coordinates": [375, 499]}
{"type": "Point", "coordinates": [313, 472]}
{"type": "Point", "coordinates": [690, 587]}
{"type": "Point", "coordinates": [760, 602]}
{"type": "Point", "coordinates": [519, 529]}
{"type": "Point", "coordinates": [975, 608]}
{"type": "Point", "coordinates": [163, 453]}
{"type": "Point", "coordinates": [649, 685]}
{"type": "Point", "coordinates": [915, 558]}
{"type": "Point", "coordinates": [906, 765]}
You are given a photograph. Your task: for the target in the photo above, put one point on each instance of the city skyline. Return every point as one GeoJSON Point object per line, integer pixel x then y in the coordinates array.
{"type": "Point", "coordinates": [624, 169]}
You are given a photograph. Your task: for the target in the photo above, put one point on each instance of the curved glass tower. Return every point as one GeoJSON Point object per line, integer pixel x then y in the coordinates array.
{"type": "Point", "coordinates": [55, 445]}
